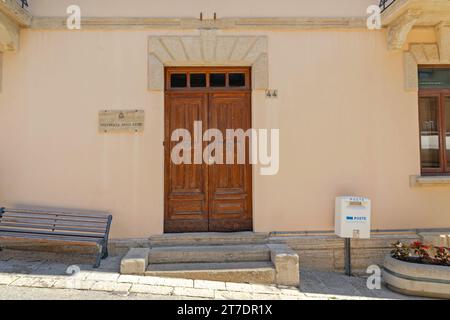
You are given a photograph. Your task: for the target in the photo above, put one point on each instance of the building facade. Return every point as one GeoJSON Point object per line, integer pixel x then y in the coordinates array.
{"type": "Point", "coordinates": [359, 111]}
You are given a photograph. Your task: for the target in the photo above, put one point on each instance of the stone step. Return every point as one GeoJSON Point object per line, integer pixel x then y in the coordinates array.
{"type": "Point", "coordinates": [271, 263]}
{"type": "Point", "coordinates": [204, 254]}
{"type": "Point", "coordinates": [208, 238]}
{"type": "Point", "coordinates": [262, 272]}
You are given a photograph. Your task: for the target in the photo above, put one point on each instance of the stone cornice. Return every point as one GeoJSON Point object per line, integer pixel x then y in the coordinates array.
{"type": "Point", "coordinates": [403, 15]}
{"type": "Point", "coordinates": [58, 23]}
{"type": "Point", "coordinates": [433, 11]}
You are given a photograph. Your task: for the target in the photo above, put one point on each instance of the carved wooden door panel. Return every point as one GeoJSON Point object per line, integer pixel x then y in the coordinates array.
{"type": "Point", "coordinates": [207, 197]}
{"type": "Point", "coordinates": [230, 205]}
{"type": "Point", "coordinates": [186, 185]}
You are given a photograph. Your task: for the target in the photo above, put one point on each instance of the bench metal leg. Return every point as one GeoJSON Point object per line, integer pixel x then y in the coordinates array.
{"type": "Point", "coordinates": [98, 258]}
{"type": "Point", "coordinates": [103, 254]}
{"type": "Point", "coordinates": [97, 261]}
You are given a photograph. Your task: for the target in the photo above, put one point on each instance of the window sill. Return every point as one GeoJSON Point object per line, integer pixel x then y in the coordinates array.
{"type": "Point", "coordinates": [429, 181]}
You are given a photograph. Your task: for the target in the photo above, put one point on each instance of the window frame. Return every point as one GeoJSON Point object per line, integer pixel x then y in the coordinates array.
{"type": "Point", "coordinates": [441, 94]}
{"type": "Point", "coordinates": [207, 71]}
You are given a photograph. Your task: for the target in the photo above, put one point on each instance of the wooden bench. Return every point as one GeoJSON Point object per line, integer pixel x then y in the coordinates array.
{"type": "Point", "coordinates": [56, 227]}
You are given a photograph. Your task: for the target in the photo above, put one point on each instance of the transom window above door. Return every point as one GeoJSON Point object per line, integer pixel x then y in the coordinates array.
{"type": "Point", "coordinates": [211, 78]}
{"type": "Point", "coordinates": [434, 120]}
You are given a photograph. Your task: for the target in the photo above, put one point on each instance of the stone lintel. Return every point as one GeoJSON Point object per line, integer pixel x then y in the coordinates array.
{"type": "Point", "coordinates": [208, 49]}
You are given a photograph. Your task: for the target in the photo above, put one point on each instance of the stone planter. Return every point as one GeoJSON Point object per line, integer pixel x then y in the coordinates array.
{"type": "Point", "coordinates": [417, 279]}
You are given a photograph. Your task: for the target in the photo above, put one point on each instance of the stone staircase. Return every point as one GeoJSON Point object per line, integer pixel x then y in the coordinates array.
{"type": "Point", "coordinates": [241, 257]}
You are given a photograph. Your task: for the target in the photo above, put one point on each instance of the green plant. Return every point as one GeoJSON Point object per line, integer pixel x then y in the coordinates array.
{"type": "Point", "coordinates": [419, 252]}
{"type": "Point", "coordinates": [442, 256]}
{"type": "Point", "coordinates": [401, 251]}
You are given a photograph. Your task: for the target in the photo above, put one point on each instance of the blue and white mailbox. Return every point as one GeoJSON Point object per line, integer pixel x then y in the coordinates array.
{"type": "Point", "coordinates": [352, 217]}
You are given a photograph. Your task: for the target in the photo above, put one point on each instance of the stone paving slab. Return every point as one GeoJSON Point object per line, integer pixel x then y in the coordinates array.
{"type": "Point", "coordinates": [73, 284]}
{"type": "Point", "coordinates": [6, 279]}
{"type": "Point", "coordinates": [160, 290]}
{"type": "Point", "coordinates": [194, 292]}
{"type": "Point", "coordinates": [175, 282]}
{"type": "Point", "coordinates": [102, 276]}
{"type": "Point", "coordinates": [44, 283]}
{"type": "Point", "coordinates": [128, 278]}
{"type": "Point", "coordinates": [46, 274]}
{"type": "Point", "coordinates": [107, 286]}
{"type": "Point", "coordinates": [206, 284]}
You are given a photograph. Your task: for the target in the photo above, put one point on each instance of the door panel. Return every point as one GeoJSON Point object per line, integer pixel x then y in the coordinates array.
{"type": "Point", "coordinates": [186, 185]}
{"type": "Point", "coordinates": [208, 197]}
{"type": "Point", "coordinates": [230, 184]}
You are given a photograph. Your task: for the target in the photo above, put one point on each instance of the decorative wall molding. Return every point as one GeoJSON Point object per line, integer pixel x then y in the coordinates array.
{"type": "Point", "coordinates": [426, 53]}
{"type": "Point", "coordinates": [208, 49]}
{"type": "Point", "coordinates": [403, 15]}
{"type": "Point", "coordinates": [443, 37]}
{"type": "Point", "coordinates": [12, 18]}
{"type": "Point", "coordinates": [1, 71]}
{"type": "Point", "coordinates": [410, 72]}
{"type": "Point", "coordinates": [398, 31]}
{"type": "Point", "coordinates": [9, 34]}
{"type": "Point", "coordinates": [15, 12]}
{"type": "Point", "coordinates": [140, 23]}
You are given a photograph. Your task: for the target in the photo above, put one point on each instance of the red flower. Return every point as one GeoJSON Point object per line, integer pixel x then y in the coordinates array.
{"type": "Point", "coordinates": [416, 244]}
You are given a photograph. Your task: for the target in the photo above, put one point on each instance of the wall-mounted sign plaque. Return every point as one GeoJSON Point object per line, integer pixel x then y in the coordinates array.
{"type": "Point", "coordinates": [117, 121]}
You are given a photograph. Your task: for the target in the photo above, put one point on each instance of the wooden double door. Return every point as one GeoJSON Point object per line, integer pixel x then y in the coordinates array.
{"type": "Point", "coordinates": [204, 196]}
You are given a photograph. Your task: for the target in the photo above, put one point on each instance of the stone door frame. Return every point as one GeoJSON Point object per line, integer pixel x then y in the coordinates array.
{"type": "Point", "coordinates": [208, 49]}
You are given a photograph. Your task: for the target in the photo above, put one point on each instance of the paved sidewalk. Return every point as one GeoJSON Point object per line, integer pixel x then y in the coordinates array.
{"type": "Point", "coordinates": [29, 275]}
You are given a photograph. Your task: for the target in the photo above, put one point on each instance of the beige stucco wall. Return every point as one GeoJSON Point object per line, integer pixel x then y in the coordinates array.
{"type": "Point", "coordinates": [347, 127]}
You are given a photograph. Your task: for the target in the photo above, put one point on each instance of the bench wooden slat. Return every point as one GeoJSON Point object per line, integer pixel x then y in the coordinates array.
{"type": "Point", "coordinates": [55, 216]}
{"type": "Point", "coordinates": [9, 219]}
{"type": "Point", "coordinates": [37, 237]}
{"type": "Point", "coordinates": [56, 233]}
{"type": "Point", "coordinates": [69, 214]}
{"type": "Point", "coordinates": [49, 227]}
